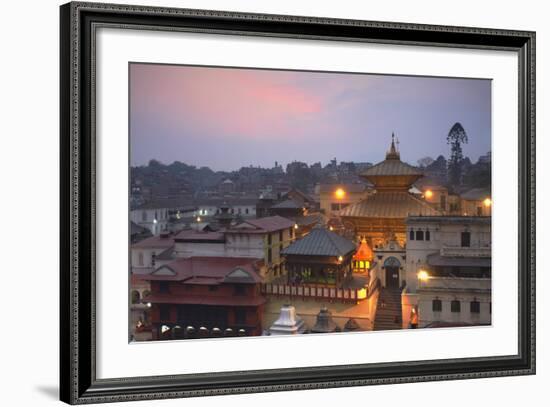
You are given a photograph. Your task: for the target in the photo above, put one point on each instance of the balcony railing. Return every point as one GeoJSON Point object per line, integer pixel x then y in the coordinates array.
{"type": "Point", "coordinates": [305, 292]}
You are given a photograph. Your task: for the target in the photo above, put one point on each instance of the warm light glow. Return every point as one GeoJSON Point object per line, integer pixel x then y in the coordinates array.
{"type": "Point", "coordinates": [339, 193]}
{"type": "Point", "coordinates": [429, 194]}
{"type": "Point", "coordinates": [423, 275]}
{"type": "Point", "coordinates": [148, 305]}
{"type": "Point", "coordinates": [361, 294]}
{"type": "Point", "coordinates": [340, 258]}
{"type": "Point", "coordinates": [198, 219]}
{"type": "Point", "coordinates": [295, 226]}
{"type": "Point", "coordinates": [487, 202]}
{"type": "Point", "coordinates": [331, 228]}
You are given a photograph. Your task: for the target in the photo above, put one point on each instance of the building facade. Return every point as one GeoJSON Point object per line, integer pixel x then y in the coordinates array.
{"type": "Point", "coordinates": [448, 271]}
{"type": "Point", "coordinates": [206, 294]}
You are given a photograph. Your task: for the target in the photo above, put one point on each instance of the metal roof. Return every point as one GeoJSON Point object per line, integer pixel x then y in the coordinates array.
{"type": "Point", "coordinates": [287, 204]}
{"type": "Point", "coordinates": [320, 242]}
{"type": "Point", "coordinates": [267, 224]}
{"type": "Point", "coordinates": [391, 167]}
{"type": "Point", "coordinates": [389, 204]}
{"type": "Point", "coordinates": [350, 188]}
{"type": "Point", "coordinates": [483, 220]}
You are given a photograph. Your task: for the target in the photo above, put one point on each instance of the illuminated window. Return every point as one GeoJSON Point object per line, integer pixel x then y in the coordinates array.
{"type": "Point", "coordinates": [361, 264]}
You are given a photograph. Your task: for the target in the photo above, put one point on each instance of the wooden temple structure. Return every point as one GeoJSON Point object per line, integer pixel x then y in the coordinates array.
{"type": "Point", "coordinates": [321, 257]}
{"type": "Point", "coordinates": [382, 214]}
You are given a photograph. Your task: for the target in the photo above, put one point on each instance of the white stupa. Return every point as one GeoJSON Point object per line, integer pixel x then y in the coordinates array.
{"type": "Point", "coordinates": [288, 322]}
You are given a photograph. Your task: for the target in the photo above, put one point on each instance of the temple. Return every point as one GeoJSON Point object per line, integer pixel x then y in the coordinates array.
{"type": "Point", "coordinates": [381, 215]}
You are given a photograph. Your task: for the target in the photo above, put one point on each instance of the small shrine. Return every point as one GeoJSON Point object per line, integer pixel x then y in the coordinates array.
{"type": "Point", "coordinates": [362, 259]}
{"type": "Point", "coordinates": [288, 323]}
{"type": "Point", "coordinates": [325, 323]}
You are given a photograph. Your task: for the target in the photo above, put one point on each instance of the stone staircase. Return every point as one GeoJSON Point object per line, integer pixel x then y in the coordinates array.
{"type": "Point", "coordinates": [388, 310]}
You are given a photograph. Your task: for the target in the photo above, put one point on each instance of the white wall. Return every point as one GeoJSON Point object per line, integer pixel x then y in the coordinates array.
{"type": "Point", "coordinates": [29, 168]}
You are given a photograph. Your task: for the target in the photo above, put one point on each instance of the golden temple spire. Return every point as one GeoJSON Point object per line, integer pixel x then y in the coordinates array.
{"type": "Point", "coordinates": [393, 154]}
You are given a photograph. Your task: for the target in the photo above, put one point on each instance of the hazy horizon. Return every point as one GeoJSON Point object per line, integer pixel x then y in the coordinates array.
{"type": "Point", "coordinates": [228, 118]}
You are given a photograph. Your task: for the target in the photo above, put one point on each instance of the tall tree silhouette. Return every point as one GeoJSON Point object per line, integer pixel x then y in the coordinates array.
{"type": "Point", "coordinates": [456, 137]}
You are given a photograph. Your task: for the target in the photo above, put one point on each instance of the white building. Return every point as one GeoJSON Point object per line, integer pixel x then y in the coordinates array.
{"type": "Point", "coordinates": [151, 217]}
{"type": "Point", "coordinates": [262, 238]}
{"type": "Point", "coordinates": [448, 271]}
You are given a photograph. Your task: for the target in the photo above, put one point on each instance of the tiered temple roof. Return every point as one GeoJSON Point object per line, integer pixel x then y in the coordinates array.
{"type": "Point", "coordinates": [392, 179]}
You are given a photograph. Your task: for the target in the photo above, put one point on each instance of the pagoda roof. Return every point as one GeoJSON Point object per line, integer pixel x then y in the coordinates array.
{"type": "Point", "coordinates": [389, 204]}
{"type": "Point", "coordinates": [392, 172]}
{"type": "Point", "coordinates": [320, 242]}
{"type": "Point", "coordinates": [391, 167]}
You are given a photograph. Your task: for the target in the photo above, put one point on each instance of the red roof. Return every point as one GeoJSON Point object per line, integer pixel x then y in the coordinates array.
{"type": "Point", "coordinates": [208, 270]}
{"type": "Point", "coordinates": [264, 225]}
{"type": "Point", "coordinates": [155, 242]}
{"type": "Point", "coordinates": [363, 252]}
{"type": "Point", "coordinates": [192, 234]}
{"type": "Point", "coordinates": [205, 300]}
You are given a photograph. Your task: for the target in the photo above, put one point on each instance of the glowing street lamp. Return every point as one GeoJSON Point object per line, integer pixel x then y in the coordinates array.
{"type": "Point", "coordinates": [423, 275]}
{"type": "Point", "coordinates": [487, 202]}
{"type": "Point", "coordinates": [339, 193]}
{"type": "Point", "coordinates": [198, 218]}
{"type": "Point", "coordinates": [340, 259]}
{"type": "Point", "coordinates": [429, 193]}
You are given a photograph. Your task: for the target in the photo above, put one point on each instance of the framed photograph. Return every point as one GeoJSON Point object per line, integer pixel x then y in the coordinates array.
{"type": "Point", "coordinates": [255, 203]}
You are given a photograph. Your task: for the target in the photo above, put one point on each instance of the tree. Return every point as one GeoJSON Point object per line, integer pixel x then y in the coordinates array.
{"type": "Point", "coordinates": [456, 137]}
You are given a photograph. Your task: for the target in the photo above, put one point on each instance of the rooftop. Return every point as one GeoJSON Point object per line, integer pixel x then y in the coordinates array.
{"type": "Point", "coordinates": [484, 220]}
{"type": "Point", "coordinates": [287, 204]}
{"type": "Point", "coordinates": [155, 242]}
{"type": "Point", "coordinates": [199, 235]}
{"type": "Point", "coordinates": [389, 204]}
{"type": "Point", "coordinates": [262, 225]}
{"type": "Point", "coordinates": [350, 188]}
{"type": "Point", "coordinates": [208, 270]}
{"type": "Point", "coordinates": [320, 242]}
{"type": "Point", "coordinates": [392, 172]}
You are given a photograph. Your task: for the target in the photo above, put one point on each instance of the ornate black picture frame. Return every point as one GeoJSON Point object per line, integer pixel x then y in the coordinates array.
{"type": "Point", "coordinates": [79, 383]}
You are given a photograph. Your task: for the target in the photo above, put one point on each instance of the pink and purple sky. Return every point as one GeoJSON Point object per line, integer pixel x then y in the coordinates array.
{"type": "Point", "coordinates": [227, 118]}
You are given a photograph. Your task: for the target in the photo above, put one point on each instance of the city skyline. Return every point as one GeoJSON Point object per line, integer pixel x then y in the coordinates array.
{"type": "Point", "coordinates": [223, 118]}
